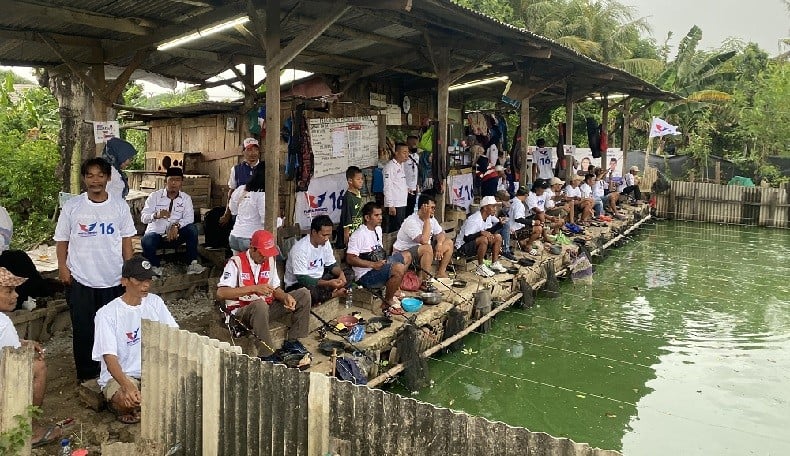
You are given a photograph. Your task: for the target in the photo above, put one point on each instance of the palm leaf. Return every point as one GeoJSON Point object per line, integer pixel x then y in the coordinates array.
{"type": "Point", "coordinates": [581, 45]}
{"type": "Point", "coordinates": [646, 68]}
{"type": "Point", "coordinates": [710, 96]}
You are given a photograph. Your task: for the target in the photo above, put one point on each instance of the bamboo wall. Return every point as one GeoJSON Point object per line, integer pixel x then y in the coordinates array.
{"type": "Point", "coordinates": [730, 204]}
{"type": "Point", "coordinates": [217, 401]}
{"type": "Point", "coordinates": [16, 389]}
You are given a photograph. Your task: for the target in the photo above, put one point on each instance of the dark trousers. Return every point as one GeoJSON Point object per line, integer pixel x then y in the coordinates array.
{"type": "Point", "coordinates": [83, 303]}
{"type": "Point", "coordinates": [634, 189]}
{"type": "Point", "coordinates": [393, 222]}
{"type": "Point", "coordinates": [411, 201]}
{"type": "Point", "coordinates": [186, 235]}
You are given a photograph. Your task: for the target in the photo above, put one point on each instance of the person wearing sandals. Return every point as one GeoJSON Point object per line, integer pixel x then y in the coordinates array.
{"type": "Point", "coordinates": [478, 235]}
{"type": "Point", "coordinates": [311, 264]}
{"type": "Point", "coordinates": [371, 266]}
{"type": "Point", "coordinates": [117, 344]}
{"type": "Point", "coordinates": [10, 338]}
{"type": "Point", "coordinates": [424, 240]}
{"type": "Point", "coordinates": [590, 192]}
{"type": "Point", "coordinates": [536, 205]}
{"type": "Point", "coordinates": [557, 202]}
{"type": "Point", "coordinates": [582, 206]}
{"type": "Point", "coordinates": [523, 226]}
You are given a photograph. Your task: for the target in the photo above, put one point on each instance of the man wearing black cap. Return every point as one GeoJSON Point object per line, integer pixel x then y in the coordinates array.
{"type": "Point", "coordinates": [170, 217]}
{"type": "Point", "coordinates": [117, 342]}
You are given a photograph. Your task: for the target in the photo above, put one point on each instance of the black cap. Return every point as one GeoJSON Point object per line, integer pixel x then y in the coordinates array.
{"type": "Point", "coordinates": [522, 191]}
{"type": "Point", "coordinates": [174, 171]}
{"type": "Point", "coordinates": [137, 268]}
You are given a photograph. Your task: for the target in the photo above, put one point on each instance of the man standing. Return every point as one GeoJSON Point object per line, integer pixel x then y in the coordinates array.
{"type": "Point", "coordinates": [241, 173]}
{"type": "Point", "coordinates": [118, 338]}
{"type": "Point", "coordinates": [251, 290]}
{"type": "Point", "coordinates": [541, 161]}
{"type": "Point", "coordinates": [396, 190]}
{"type": "Point", "coordinates": [311, 264]}
{"type": "Point", "coordinates": [477, 237]}
{"type": "Point", "coordinates": [423, 238]}
{"type": "Point", "coordinates": [170, 217]}
{"type": "Point", "coordinates": [93, 238]}
{"type": "Point", "coordinates": [412, 170]}
{"type": "Point", "coordinates": [371, 266]}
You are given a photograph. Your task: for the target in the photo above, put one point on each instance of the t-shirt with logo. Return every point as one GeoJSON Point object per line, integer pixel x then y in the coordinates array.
{"type": "Point", "coordinates": [410, 229]}
{"type": "Point", "coordinates": [249, 209]}
{"type": "Point", "coordinates": [118, 332]}
{"type": "Point", "coordinates": [181, 211]}
{"type": "Point", "coordinates": [230, 276]}
{"type": "Point", "coordinates": [473, 225]}
{"type": "Point", "coordinates": [535, 201]}
{"type": "Point", "coordinates": [542, 157]}
{"type": "Point", "coordinates": [364, 240]}
{"type": "Point", "coordinates": [517, 211]}
{"type": "Point", "coordinates": [94, 232]}
{"type": "Point", "coordinates": [307, 260]}
{"type": "Point", "coordinates": [350, 216]}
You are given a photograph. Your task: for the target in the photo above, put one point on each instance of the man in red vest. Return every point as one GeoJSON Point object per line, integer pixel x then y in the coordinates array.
{"type": "Point", "coordinates": [252, 293]}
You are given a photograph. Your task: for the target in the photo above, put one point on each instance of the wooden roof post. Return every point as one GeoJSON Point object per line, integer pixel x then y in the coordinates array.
{"type": "Point", "coordinates": [569, 128]}
{"type": "Point", "coordinates": [526, 168]}
{"type": "Point", "coordinates": [626, 132]}
{"type": "Point", "coordinates": [272, 145]}
{"type": "Point", "coordinates": [102, 109]}
{"type": "Point", "coordinates": [604, 123]}
{"type": "Point", "coordinates": [443, 100]}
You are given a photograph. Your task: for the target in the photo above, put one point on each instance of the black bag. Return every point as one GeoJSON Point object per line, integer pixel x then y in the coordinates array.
{"type": "Point", "coordinates": [348, 369]}
{"type": "Point", "coordinates": [377, 254]}
{"type": "Point", "coordinates": [216, 234]}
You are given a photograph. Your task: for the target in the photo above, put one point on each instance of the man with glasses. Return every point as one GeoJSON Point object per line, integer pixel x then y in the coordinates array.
{"type": "Point", "coordinates": [424, 239]}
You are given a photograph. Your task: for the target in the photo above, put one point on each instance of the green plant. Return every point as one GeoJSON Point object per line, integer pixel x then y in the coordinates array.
{"type": "Point", "coordinates": [13, 440]}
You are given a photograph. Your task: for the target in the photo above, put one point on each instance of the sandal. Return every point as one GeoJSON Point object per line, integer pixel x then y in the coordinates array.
{"type": "Point", "coordinates": [50, 435]}
{"type": "Point", "coordinates": [125, 418]}
{"type": "Point", "coordinates": [393, 309]}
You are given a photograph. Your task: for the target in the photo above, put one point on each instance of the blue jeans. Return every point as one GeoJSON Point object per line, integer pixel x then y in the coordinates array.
{"type": "Point", "coordinates": [186, 235]}
{"type": "Point", "coordinates": [598, 207]}
{"type": "Point", "coordinates": [505, 233]}
{"type": "Point", "coordinates": [378, 278]}
{"type": "Point", "coordinates": [238, 244]}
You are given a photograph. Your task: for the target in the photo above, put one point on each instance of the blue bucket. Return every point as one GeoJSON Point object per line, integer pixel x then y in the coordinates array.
{"type": "Point", "coordinates": [411, 304]}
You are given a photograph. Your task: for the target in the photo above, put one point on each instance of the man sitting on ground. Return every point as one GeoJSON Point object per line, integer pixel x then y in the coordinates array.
{"type": "Point", "coordinates": [424, 240]}
{"type": "Point", "coordinates": [251, 290]}
{"type": "Point", "coordinates": [10, 338]}
{"type": "Point", "coordinates": [170, 217]}
{"type": "Point", "coordinates": [117, 343]}
{"type": "Point", "coordinates": [371, 266]}
{"type": "Point", "coordinates": [311, 264]}
{"type": "Point", "coordinates": [477, 236]}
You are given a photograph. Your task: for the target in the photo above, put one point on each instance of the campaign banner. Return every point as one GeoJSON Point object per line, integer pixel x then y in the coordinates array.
{"type": "Point", "coordinates": [583, 158]}
{"type": "Point", "coordinates": [102, 131]}
{"type": "Point", "coordinates": [461, 190]}
{"type": "Point", "coordinates": [324, 196]}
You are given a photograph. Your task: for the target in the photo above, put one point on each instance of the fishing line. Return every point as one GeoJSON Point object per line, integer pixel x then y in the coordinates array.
{"type": "Point", "coordinates": [746, 225]}
{"type": "Point", "coordinates": [607, 398]}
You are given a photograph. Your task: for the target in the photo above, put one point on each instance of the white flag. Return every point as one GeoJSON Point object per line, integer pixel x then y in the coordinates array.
{"type": "Point", "coordinates": [660, 127]}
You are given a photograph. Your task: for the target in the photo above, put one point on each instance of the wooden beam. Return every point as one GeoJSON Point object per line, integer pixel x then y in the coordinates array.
{"type": "Point", "coordinates": [63, 14]}
{"type": "Point", "coordinates": [443, 106]}
{"type": "Point", "coordinates": [605, 126]}
{"type": "Point", "coordinates": [290, 14]}
{"type": "Point", "coordinates": [430, 54]}
{"type": "Point", "coordinates": [541, 53]}
{"type": "Point", "coordinates": [117, 88]}
{"type": "Point", "coordinates": [461, 72]}
{"type": "Point", "coordinates": [526, 168]}
{"type": "Point", "coordinates": [626, 139]}
{"type": "Point", "coordinates": [197, 3]}
{"type": "Point", "coordinates": [271, 152]}
{"type": "Point", "coordinates": [210, 84]}
{"type": "Point", "coordinates": [568, 128]}
{"type": "Point", "coordinates": [258, 24]}
{"type": "Point", "coordinates": [392, 5]}
{"type": "Point", "coordinates": [356, 33]}
{"type": "Point", "coordinates": [298, 44]}
{"type": "Point", "coordinates": [63, 40]}
{"type": "Point", "coordinates": [76, 68]}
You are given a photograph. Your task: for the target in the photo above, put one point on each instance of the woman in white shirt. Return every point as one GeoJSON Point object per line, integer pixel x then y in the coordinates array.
{"type": "Point", "coordinates": [583, 206]}
{"type": "Point", "coordinates": [247, 203]}
{"type": "Point", "coordinates": [590, 191]}
{"type": "Point", "coordinates": [119, 154]}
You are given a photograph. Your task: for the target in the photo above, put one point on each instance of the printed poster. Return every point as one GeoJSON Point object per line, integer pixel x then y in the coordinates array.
{"type": "Point", "coordinates": [461, 190]}
{"type": "Point", "coordinates": [102, 131]}
{"type": "Point", "coordinates": [324, 196]}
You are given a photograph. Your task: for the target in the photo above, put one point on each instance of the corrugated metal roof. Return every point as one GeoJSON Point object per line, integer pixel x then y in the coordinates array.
{"type": "Point", "coordinates": [361, 39]}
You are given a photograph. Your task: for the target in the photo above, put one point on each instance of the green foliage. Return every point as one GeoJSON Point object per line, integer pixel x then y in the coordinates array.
{"type": "Point", "coordinates": [28, 161]}
{"type": "Point", "coordinates": [15, 77]}
{"type": "Point", "coordinates": [763, 115]}
{"type": "Point", "coordinates": [13, 440]}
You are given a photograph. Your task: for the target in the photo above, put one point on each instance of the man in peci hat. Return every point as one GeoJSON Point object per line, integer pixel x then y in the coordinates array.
{"type": "Point", "coordinates": [10, 338]}
{"type": "Point", "coordinates": [241, 173]}
{"type": "Point", "coordinates": [118, 341]}
{"type": "Point", "coordinates": [170, 217]}
{"type": "Point", "coordinates": [631, 183]}
{"type": "Point", "coordinates": [251, 289]}
{"type": "Point", "coordinates": [478, 235]}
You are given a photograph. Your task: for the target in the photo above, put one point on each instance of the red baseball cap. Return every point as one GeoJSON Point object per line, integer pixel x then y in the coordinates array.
{"type": "Point", "coordinates": [264, 242]}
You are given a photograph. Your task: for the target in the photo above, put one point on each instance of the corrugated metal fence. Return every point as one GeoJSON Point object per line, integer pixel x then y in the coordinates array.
{"type": "Point", "coordinates": [213, 400]}
{"type": "Point", "coordinates": [16, 389]}
{"type": "Point", "coordinates": [730, 204]}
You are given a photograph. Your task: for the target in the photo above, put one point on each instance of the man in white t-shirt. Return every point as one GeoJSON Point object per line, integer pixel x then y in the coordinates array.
{"type": "Point", "coordinates": [10, 338]}
{"type": "Point", "coordinates": [541, 161]}
{"type": "Point", "coordinates": [631, 183]}
{"type": "Point", "coordinates": [582, 206]}
{"type": "Point", "coordinates": [93, 238]}
{"type": "Point", "coordinates": [311, 264]}
{"type": "Point", "coordinates": [536, 206]}
{"type": "Point", "coordinates": [592, 192]}
{"type": "Point", "coordinates": [372, 268]}
{"type": "Point", "coordinates": [423, 238]}
{"type": "Point", "coordinates": [556, 201]}
{"type": "Point", "coordinates": [523, 226]}
{"type": "Point", "coordinates": [252, 293]}
{"type": "Point", "coordinates": [396, 189]}
{"type": "Point", "coordinates": [478, 235]}
{"type": "Point", "coordinates": [170, 217]}
{"type": "Point", "coordinates": [118, 342]}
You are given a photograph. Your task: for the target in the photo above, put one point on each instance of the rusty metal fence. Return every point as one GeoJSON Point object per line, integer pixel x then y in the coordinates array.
{"type": "Point", "coordinates": [213, 400]}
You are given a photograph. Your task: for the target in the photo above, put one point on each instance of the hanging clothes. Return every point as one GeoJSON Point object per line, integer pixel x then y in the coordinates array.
{"type": "Point", "coordinates": [305, 152]}
{"type": "Point", "coordinates": [478, 125]}
{"type": "Point", "coordinates": [561, 160]}
{"type": "Point", "coordinates": [502, 124]}
{"type": "Point", "coordinates": [594, 137]}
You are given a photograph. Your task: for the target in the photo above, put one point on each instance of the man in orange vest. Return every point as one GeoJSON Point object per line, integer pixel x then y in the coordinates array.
{"type": "Point", "coordinates": [252, 293]}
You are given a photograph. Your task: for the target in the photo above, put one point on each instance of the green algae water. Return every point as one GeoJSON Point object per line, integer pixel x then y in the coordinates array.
{"type": "Point", "coordinates": [680, 346]}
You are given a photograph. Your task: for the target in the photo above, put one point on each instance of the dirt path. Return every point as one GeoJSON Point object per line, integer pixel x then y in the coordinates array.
{"type": "Point", "coordinates": [90, 428]}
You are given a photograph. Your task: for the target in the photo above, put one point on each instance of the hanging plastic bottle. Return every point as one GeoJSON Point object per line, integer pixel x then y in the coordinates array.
{"type": "Point", "coordinates": [65, 447]}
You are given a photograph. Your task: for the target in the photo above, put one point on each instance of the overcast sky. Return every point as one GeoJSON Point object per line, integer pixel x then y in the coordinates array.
{"type": "Point", "coordinates": [762, 21]}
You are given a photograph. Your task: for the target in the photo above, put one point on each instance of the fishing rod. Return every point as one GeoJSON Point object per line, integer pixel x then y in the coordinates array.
{"type": "Point", "coordinates": [331, 329]}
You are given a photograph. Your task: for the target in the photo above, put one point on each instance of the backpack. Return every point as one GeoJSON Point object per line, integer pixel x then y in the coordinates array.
{"type": "Point", "coordinates": [411, 282]}
{"type": "Point", "coordinates": [347, 369]}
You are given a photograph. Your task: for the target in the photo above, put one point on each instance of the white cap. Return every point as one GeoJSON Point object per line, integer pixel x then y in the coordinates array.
{"type": "Point", "coordinates": [487, 201]}
{"type": "Point", "coordinates": [634, 168]}
{"type": "Point", "coordinates": [499, 168]}
{"type": "Point", "coordinates": [557, 181]}
{"type": "Point", "coordinates": [249, 142]}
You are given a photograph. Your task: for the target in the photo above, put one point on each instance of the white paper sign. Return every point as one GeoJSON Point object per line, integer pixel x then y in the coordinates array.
{"type": "Point", "coordinates": [102, 131]}
{"type": "Point", "coordinates": [461, 190]}
{"type": "Point", "coordinates": [339, 143]}
{"type": "Point", "coordinates": [394, 115]}
{"type": "Point", "coordinates": [324, 196]}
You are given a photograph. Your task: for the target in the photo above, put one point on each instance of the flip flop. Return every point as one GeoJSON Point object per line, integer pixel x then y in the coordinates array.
{"type": "Point", "coordinates": [125, 418]}
{"type": "Point", "coordinates": [392, 310]}
{"type": "Point", "coordinates": [50, 436]}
